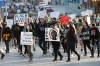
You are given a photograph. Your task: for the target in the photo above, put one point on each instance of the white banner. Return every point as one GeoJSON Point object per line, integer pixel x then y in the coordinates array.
{"type": "Point", "coordinates": [26, 38]}
{"type": "Point", "coordinates": [20, 18]}
{"type": "Point", "coordinates": [72, 16]}
{"type": "Point", "coordinates": [54, 14]}
{"type": "Point", "coordinates": [52, 34]}
{"type": "Point", "coordinates": [42, 14]}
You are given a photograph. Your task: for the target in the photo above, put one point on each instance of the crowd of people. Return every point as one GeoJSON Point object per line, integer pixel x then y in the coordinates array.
{"type": "Point", "coordinates": [77, 31]}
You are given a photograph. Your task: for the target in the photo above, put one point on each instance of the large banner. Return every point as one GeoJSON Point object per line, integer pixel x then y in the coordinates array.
{"type": "Point", "coordinates": [52, 34]}
{"type": "Point", "coordinates": [26, 38]}
{"type": "Point", "coordinates": [42, 14]}
{"type": "Point", "coordinates": [54, 14]}
{"type": "Point", "coordinates": [20, 18]}
{"type": "Point", "coordinates": [64, 20]}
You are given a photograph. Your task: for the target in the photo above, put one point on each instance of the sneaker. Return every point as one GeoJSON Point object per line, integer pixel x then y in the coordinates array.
{"type": "Point", "coordinates": [2, 56]}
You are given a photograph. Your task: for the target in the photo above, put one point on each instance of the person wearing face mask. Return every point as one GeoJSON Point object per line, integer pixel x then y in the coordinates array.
{"type": "Point", "coordinates": [86, 37]}
{"type": "Point", "coordinates": [95, 39]}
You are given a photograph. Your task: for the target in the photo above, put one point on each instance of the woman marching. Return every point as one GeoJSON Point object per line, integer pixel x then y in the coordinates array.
{"type": "Point", "coordinates": [71, 43]}
{"type": "Point", "coordinates": [86, 37]}
{"type": "Point", "coordinates": [56, 45]}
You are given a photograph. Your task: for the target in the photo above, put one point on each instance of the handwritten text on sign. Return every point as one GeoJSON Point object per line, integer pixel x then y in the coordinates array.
{"type": "Point", "coordinates": [19, 18]}
{"type": "Point", "coordinates": [26, 38]}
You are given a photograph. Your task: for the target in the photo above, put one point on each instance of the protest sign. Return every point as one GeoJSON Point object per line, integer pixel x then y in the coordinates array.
{"type": "Point", "coordinates": [26, 38]}
{"type": "Point", "coordinates": [54, 14]}
{"type": "Point", "coordinates": [89, 12]}
{"type": "Point", "coordinates": [42, 14]}
{"type": "Point", "coordinates": [72, 16]}
{"type": "Point", "coordinates": [52, 34]}
{"type": "Point", "coordinates": [9, 22]}
{"type": "Point", "coordinates": [20, 18]}
{"type": "Point", "coordinates": [84, 13]}
{"type": "Point", "coordinates": [64, 20]}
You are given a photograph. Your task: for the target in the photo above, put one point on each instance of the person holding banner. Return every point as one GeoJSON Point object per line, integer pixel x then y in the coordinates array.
{"type": "Point", "coordinates": [70, 45]}
{"type": "Point", "coordinates": [6, 36]}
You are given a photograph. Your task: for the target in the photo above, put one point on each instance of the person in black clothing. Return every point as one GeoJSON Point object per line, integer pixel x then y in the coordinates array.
{"type": "Point", "coordinates": [95, 39]}
{"type": "Point", "coordinates": [86, 37]}
{"type": "Point", "coordinates": [6, 36]}
{"type": "Point", "coordinates": [63, 37]}
{"type": "Point", "coordinates": [42, 43]}
{"type": "Point", "coordinates": [56, 46]}
{"type": "Point", "coordinates": [71, 42]}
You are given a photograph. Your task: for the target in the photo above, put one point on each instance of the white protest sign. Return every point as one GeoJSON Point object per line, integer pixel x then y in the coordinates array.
{"type": "Point", "coordinates": [88, 20]}
{"type": "Point", "coordinates": [84, 13]}
{"type": "Point", "coordinates": [9, 22]}
{"type": "Point", "coordinates": [26, 38]}
{"type": "Point", "coordinates": [19, 18]}
{"type": "Point", "coordinates": [52, 34]}
{"type": "Point", "coordinates": [42, 14]}
{"type": "Point", "coordinates": [54, 14]}
{"type": "Point", "coordinates": [72, 16]}
{"type": "Point", "coordinates": [89, 12]}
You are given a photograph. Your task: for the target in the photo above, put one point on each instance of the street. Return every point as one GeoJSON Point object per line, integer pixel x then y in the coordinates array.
{"type": "Point", "coordinates": [14, 59]}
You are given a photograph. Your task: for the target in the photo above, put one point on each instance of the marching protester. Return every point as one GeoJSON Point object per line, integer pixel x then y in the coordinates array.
{"type": "Point", "coordinates": [56, 44]}
{"type": "Point", "coordinates": [6, 32]}
{"type": "Point", "coordinates": [70, 44]}
{"type": "Point", "coordinates": [95, 35]}
{"type": "Point", "coordinates": [42, 43]}
{"type": "Point", "coordinates": [86, 36]}
{"type": "Point", "coordinates": [28, 28]}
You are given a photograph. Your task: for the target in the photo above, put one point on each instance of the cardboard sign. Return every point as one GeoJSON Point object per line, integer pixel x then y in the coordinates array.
{"type": "Point", "coordinates": [72, 16]}
{"type": "Point", "coordinates": [9, 22]}
{"type": "Point", "coordinates": [42, 14]}
{"type": "Point", "coordinates": [26, 38]}
{"type": "Point", "coordinates": [64, 20]}
{"type": "Point", "coordinates": [52, 34]}
{"type": "Point", "coordinates": [20, 18]}
{"type": "Point", "coordinates": [54, 14]}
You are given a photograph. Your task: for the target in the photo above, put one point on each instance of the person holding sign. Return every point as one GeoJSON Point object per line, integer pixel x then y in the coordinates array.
{"type": "Point", "coordinates": [56, 44]}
